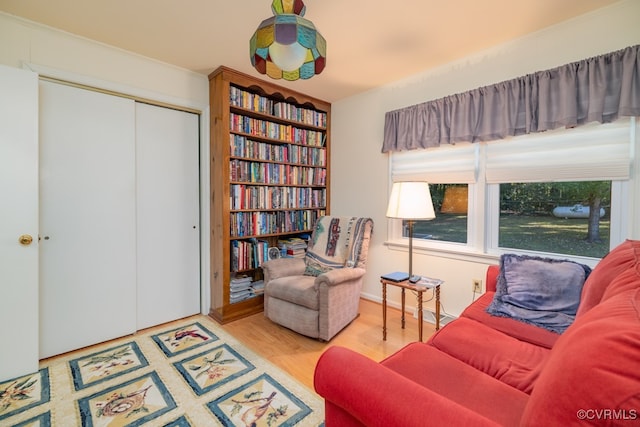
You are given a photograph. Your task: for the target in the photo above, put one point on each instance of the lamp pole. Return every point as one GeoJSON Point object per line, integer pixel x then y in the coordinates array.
{"type": "Point", "coordinates": [410, 224]}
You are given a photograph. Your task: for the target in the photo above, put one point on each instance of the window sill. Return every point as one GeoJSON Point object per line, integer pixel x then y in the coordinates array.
{"type": "Point", "coordinates": [457, 251]}
{"type": "Point", "coordinates": [461, 252]}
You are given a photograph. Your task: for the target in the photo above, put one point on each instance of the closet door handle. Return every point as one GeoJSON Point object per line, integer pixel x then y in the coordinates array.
{"type": "Point", "coordinates": [25, 239]}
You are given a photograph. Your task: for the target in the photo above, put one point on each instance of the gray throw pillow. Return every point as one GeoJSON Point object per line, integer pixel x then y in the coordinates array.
{"type": "Point", "coordinates": [541, 291]}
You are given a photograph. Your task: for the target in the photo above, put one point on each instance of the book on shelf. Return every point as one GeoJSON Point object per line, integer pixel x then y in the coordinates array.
{"type": "Point", "coordinates": [240, 296]}
{"type": "Point", "coordinates": [241, 282]}
{"type": "Point", "coordinates": [293, 247]}
{"type": "Point", "coordinates": [240, 288]}
{"type": "Point", "coordinates": [258, 287]}
{"type": "Point", "coordinates": [248, 254]}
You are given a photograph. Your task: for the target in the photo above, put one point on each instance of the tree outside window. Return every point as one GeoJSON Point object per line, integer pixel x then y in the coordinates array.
{"type": "Point", "coordinates": [570, 218]}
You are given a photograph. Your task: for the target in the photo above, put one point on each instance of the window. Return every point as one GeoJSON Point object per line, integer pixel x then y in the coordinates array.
{"type": "Point", "coordinates": [513, 187]}
{"type": "Point", "coordinates": [554, 217]}
{"type": "Point", "coordinates": [450, 202]}
{"type": "Point", "coordinates": [450, 171]}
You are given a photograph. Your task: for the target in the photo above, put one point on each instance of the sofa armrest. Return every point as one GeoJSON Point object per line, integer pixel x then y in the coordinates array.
{"type": "Point", "coordinates": [377, 396]}
{"type": "Point", "coordinates": [491, 280]}
{"type": "Point", "coordinates": [340, 275]}
{"type": "Point", "coordinates": [282, 267]}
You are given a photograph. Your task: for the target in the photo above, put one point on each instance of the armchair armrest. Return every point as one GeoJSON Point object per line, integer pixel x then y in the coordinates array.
{"type": "Point", "coordinates": [377, 396]}
{"type": "Point", "coordinates": [340, 275]}
{"type": "Point", "coordinates": [283, 267]}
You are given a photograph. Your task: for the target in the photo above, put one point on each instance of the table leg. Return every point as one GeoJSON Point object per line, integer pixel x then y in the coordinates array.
{"type": "Point", "coordinates": [420, 321]}
{"type": "Point", "coordinates": [437, 307]}
{"type": "Point", "coordinates": [402, 308]}
{"type": "Point", "coordinates": [384, 311]}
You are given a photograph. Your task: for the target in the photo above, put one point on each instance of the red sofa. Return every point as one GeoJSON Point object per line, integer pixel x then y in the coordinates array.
{"type": "Point", "coordinates": [482, 370]}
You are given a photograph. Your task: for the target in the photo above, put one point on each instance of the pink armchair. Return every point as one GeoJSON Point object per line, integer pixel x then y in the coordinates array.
{"type": "Point", "coordinates": [319, 295]}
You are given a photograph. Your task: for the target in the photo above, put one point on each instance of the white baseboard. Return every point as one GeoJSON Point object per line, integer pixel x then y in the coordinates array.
{"type": "Point", "coordinates": [429, 316]}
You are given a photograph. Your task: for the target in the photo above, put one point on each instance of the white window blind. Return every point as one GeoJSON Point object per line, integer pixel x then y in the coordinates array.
{"type": "Point", "coordinates": [591, 152]}
{"type": "Point", "coordinates": [455, 164]}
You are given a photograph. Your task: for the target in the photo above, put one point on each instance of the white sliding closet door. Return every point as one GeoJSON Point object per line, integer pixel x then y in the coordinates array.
{"type": "Point", "coordinates": [87, 218]}
{"type": "Point", "coordinates": [167, 170]}
{"type": "Point", "coordinates": [19, 217]}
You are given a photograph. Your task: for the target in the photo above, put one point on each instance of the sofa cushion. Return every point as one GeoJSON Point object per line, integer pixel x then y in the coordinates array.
{"type": "Point", "coordinates": [516, 363]}
{"type": "Point", "coordinates": [361, 392]}
{"type": "Point", "coordinates": [542, 291]}
{"type": "Point", "coordinates": [592, 368]}
{"type": "Point", "coordinates": [520, 330]}
{"type": "Point", "coordinates": [459, 382]}
{"type": "Point", "coordinates": [623, 258]}
{"type": "Point", "coordinates": [299, 290]}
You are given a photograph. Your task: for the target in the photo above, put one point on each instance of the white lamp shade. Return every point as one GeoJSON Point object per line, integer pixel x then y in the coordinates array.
{"type": "Point", "coordinates": [289, 57]}
{"type": "Point", "coordinates": [410, 200]}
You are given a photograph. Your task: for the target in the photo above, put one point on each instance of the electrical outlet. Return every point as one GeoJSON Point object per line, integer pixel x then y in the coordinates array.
{"type": "Point", "coordinates": [477, 285]}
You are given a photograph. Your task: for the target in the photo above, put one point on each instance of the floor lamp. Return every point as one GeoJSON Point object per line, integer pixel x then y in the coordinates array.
{"type": "Point", "coordinates": [410, 201]}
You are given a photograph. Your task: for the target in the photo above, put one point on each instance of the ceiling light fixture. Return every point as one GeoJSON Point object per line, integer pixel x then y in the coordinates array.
{"type": "Point", "coordinates": [288, 46]}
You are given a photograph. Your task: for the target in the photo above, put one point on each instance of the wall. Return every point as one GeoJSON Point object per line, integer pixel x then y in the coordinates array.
{"type": "Point", "coordinates": [62, 55]}
{"type": "Point", "coordinates": [23, 41]}
{"type": "Point", "coordinates": [358, 122]}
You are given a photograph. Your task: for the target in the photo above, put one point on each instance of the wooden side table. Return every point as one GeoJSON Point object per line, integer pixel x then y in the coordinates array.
{"type": "Point", "coordinates": [419, 289]}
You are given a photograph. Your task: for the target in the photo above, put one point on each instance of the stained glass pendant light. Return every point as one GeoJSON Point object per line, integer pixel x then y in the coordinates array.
{"type": "Point", "coordinates": [288, 46]}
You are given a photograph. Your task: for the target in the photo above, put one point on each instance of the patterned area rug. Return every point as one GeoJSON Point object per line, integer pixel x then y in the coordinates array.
{"type": "Point", "coordinates": [190, 374]}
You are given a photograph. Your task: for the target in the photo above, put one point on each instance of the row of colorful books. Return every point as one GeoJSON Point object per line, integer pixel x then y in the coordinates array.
{"type": "Point", "coordinates": [276, 131]}
{"type": "Point", "coordinates": [303, 115]}
{"type": "Point", "coordinates": [286, 153]}
{"type": "Point", "coordinates": [276, 173]}
{"type": "Point", "coordinates": [261, 197]}
{"type": "Point", "coordinates": [251, 101]}
{"type": "Point", "coordinates": [248, 254]}
{"type": "Point", "coordinates": [246, 224]}
{"type": "Point", "coordinates": [251, 253]}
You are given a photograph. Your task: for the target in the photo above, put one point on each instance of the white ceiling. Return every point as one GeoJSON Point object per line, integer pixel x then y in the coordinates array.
{"type": "Point", "coordinates": [369, 42]}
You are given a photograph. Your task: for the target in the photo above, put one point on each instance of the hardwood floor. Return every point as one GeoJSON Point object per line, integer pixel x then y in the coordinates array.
{"type": "Point", "coordinates": [297, 354]}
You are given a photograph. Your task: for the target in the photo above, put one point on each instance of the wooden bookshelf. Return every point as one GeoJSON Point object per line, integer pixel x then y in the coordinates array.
{"type": "Point", "coordinates": [270, 163]}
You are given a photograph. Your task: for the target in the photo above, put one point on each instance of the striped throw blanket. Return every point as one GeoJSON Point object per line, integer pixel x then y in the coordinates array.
{"type": "Point", "coordinates": [336, 242]}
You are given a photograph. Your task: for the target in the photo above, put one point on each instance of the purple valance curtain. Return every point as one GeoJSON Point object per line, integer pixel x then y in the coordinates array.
{"type": "Point", "coordinates": [600, 89]}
